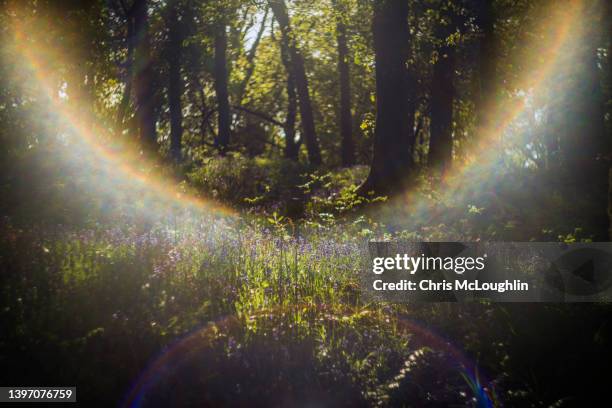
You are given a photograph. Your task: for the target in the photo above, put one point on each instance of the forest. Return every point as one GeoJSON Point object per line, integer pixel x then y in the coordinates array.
{"type": "Point", "coordinates": [187, 186]}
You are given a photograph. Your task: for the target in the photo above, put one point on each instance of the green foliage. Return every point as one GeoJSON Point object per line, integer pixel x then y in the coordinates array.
{"type": "Point", "coordinates": [245, 181]}
{"type": "Point", "coordinates": [99, 273]}
{"type": "Point", "coordinates": [334, 195]}
{"type": "Point", "coordinates": [260, 311]}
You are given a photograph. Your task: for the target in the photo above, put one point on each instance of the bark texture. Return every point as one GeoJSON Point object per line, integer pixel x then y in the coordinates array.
{"type": "Point", "coordinates": [392, 162]}
{"type": "Point", "coordinates": [345, 118]}
{"type": "Point", "coordinates": [143, 78]}
{"type": "Point", "coordinates": [441, 105]}
{"type": "Point", "coordinates": [221, 91]}
{"type": "Point", "coordinates": [175, 83]}
{"type": "Point", "coordinates": [281, 14]}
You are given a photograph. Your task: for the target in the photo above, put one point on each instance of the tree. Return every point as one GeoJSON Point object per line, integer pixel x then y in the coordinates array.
{"type": "Point", "coordinates": [345, 118]}
{"type": "Point", "coordinates": [128, 64]}
{"type": "Point", "coordinates": [487, 66]}
{"type": "Point", "coordinates": [440, 153]}
{"type": "Point", "coordinates": [250, 57]}
{"type": "Point", "coordinates": [301, 81]}
{"type": "Point", "coordinates": [144, 91]}
{"type": "Point", "coordinates": [221, 88]}
{"type": "Point", "coordinates": [583, 138]}
{"type": "Point", "coordinates": [291, 146]}
{"type": "Point", "coordinates": [392, 162]}
{"type": "Point", "coordinates": [175, 82]}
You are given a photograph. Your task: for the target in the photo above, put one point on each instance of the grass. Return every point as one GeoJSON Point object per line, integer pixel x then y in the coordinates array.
{"type": "Point", "coordinates": [209, 310]}
{"type": "Point", "coordinates": [276, 313]}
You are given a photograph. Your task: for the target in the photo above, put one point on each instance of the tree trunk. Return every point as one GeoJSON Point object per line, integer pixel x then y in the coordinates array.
{"type": "Point", "coordinates": [441, 106]}
{"type": "Point", "coordinates": [221, 81]}
{"type": "Point", "coordinates": [392, 162]}
{"type": "Point", "coordinates": [250, 57]}
{"type": "Point", "coordinates": [143, 78]}
{"type": "Point", "coordinates": [487, 67]}
{"type": "Point", "coordinates": [301, 82]}
{"type": "Point", "coordinates": [128, 73]}
{"type": "Point", "coordinates": [291, 147]}
{"type": "Point", "coordinates": [175, 83]}
{"type": "Point", "coordinates": [584, 141]}
{"type": "Point", "coordinates": [346, 131]}
{"type": "Point", "coordinates": [608, 111]}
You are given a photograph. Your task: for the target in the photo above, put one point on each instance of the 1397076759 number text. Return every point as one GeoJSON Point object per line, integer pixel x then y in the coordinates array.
{"type": "Point", "coordinates": [37, 394]}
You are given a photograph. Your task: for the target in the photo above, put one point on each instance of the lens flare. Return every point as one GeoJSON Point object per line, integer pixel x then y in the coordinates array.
{"type": "Point", "coordinates": [128, 165]}
{"type": "Point", "coordinates": [174, 359]}
{"type": "Point", "coordinates": [105, 150]}
{"type": "Point", "coordinates": [476, 174]}
{"type": "Point", "coordinates": [562, 23]}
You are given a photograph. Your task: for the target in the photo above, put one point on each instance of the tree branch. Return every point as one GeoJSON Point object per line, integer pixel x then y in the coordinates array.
{"type": "Point", "coordinates": [251, 56]}
{"type": "Point", "coordinates": [259, 115]}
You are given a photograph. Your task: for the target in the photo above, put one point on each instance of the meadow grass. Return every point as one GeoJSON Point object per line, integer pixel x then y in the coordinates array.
{"type": "Point", "coordinates": [94, 306]}
{"type": "Point", "coordinates": [258, 309]}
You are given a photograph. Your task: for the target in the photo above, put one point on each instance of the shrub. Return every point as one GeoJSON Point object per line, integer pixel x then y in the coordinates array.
{"type": "Point", "coordinates": [248, 182]}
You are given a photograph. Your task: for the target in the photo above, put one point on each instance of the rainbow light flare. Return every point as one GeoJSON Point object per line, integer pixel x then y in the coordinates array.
{"type": "Point", "coordinates": [563, 24]}
{"type": "Point", "coordinates": [84, 125]}
{"type": "Point", "coordinates": [562, 20]}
